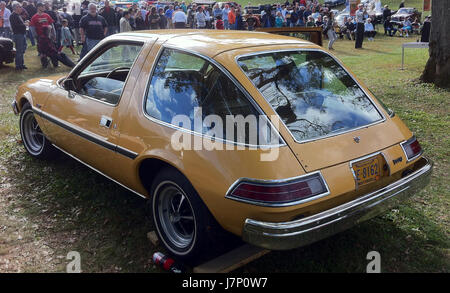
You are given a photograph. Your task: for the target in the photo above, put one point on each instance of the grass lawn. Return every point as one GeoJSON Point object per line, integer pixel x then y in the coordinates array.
{"type": "Point", "coordinates": [50, 208]}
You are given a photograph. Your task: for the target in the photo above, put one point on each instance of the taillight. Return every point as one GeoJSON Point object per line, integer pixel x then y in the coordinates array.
{"type": "Point", "coordinates": [280, 192]}
{"type": "Point", "coordinates": [412, 148]}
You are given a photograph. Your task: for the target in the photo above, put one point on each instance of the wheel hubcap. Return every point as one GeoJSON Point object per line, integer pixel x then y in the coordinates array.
{"type": "Point", "coordinates": [176, 216]}
{"type": "Point", "coordinates": [33, 136]}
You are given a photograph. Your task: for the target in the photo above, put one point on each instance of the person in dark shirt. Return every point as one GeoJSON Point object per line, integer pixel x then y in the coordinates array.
{"type": "Point", "coordinates": [19, 30]}
{"type": "Point", "coordinates": [350, 29]}
{"type": "Point", "coordinates": [402, 4]}
{"type": "Point", "coordinates": [162, 19]}
{"type": "Point", "coordinates": [26, 17]}
{"type": "Point", "coordinates": [93, 28]}
{"type": "Point", "coordinates": [140, 22]}
{"type": "Point", "coordinates": [294, 17]}
{"type": "Point", "coordinates": [68, 17]}
{"type": "Point", "coordinates": [30, 8]}
{"type": "Point", "coordinates": [386, 13]}
{"type": "Point", "coordinates": [53, 12]}
{"type": "Point", "coordinates": [48, 49]}
{"type": "Point", "coordinates": [109, 15]}
{"type": "Point", "coordinates": [239, 20]}
{"type": "Point", "coordinates": [425, 30]}
{"type": "Point", "coordinates": [153, 19]}
{"type": "Point", "coordinates": [389, 27]}
{"type": "Point", "coordinates": [268, 20]}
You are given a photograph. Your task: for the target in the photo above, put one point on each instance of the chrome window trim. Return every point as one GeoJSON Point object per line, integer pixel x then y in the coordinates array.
{"type": "Point", "coordinates": [403, 149]}
{"type": "Point", "coordinates": [364, 158]}
{"type": "Point", "coordinates": [276, 181]}
{"type": "Point", "coordinates": [79, 65]}
{"type": "Point", "coordinates": [235, 82]}
{"type": "Point", "coordinates": [342, 66]}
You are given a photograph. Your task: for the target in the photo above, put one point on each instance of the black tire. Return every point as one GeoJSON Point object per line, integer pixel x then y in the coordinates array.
{"type": "Point", "coordinates": [34, 140]}
{"type": "Point", "coordinates": [167, 185]}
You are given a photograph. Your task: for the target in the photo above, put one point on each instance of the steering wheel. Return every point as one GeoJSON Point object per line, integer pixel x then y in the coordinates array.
{"type": "Point", "coordinates": [116, 69]}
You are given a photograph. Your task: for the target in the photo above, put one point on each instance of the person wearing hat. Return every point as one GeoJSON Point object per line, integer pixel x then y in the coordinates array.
{"type": "Point", "coordinates": [386, 13]}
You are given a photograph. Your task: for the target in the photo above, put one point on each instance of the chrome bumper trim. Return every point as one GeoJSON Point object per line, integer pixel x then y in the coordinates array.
{"type": "Point", "coordinates": [297, 233]}
{"type": "Point", "coordinates": [14, 107]}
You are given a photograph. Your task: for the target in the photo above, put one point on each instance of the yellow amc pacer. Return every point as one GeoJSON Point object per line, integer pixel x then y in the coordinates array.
{"type": "Point", "coordinates": [269, 136]}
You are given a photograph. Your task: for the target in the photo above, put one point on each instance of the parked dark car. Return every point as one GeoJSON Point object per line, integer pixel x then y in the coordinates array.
{"type": "Point", "coordinates": [405, 12]}
{"type": "Point", "coordinates": [7, 51]}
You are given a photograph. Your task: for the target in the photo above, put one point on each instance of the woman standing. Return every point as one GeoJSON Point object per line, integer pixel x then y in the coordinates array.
{"type": "Point", "coordinates": [329, 29]}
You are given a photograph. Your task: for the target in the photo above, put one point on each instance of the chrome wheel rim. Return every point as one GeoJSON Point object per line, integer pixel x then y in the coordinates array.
{"type": "Point", "coordinates": [32, 134]}
{"type": "Point", "coordinates": [176, 216]}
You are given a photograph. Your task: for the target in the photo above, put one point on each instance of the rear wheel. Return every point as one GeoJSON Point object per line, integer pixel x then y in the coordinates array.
{"type": "Point", "coordinates": [33, 138]}
{"type": "Point", "coordinates": [183, 222]}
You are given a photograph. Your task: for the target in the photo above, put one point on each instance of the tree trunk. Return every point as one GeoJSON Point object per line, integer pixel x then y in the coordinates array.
{"type": "Point", "coordinates": [437, 69]}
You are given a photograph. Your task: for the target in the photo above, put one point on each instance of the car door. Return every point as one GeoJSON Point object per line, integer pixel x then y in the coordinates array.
{"type": "Point", "coordinates": [83, 116]}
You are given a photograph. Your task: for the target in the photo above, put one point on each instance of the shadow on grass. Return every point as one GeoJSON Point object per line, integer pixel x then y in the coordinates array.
{"type": "Point", "coordinates": [77, 209]}
{"type": "Point", "coordinates": [80, 210]}
{"type": "Point", "coordinates": [346, 252]}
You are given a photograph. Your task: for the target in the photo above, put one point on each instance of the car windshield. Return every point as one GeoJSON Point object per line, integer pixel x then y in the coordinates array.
{"type": "Point", "coordinates": [405, 11]}
{"type": "Point", "coordinates": [311, 92]}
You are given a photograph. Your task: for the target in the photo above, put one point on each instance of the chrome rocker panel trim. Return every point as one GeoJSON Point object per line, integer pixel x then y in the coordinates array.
{"type": "Point", "coordinates": [297, 233]}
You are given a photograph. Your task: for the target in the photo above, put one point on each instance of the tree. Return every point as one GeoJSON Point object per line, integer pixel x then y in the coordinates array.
{"type": "Point", "coordinates": [437, 69]}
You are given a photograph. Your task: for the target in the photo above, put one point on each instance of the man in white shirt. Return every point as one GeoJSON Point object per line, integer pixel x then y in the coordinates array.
{"type": "Point", "coordinates": [179, 18]}
{"type": "Point", "coordinates": [124, 23]}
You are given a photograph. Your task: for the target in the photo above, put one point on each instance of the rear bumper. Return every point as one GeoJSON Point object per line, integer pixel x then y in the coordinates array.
{"type": "Point", "coordinates": [288, 235]}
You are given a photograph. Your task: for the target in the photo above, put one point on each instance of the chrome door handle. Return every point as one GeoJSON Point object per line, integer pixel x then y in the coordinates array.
{"type": "Point", "coordinates": [105, 122]}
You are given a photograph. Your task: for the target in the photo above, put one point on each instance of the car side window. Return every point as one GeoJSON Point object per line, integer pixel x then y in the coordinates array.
{"type": "Point", "coordinates": [182, 83]}
{"type": "Point", "coordinates": [104, 78]}
{"type": "Point", "coordinates": [119, 55]}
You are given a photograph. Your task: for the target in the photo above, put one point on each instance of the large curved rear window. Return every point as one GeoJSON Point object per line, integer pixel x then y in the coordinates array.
{"type": "Point", "coordinates": [310, 91]}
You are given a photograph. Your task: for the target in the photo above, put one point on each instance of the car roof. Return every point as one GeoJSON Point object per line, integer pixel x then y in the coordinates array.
{"type": "Point", "coordinates": [211, 43]}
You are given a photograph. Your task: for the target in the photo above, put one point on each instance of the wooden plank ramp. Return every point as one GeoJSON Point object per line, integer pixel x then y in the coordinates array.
{"type": "Point", "coordinates": [231, 260]}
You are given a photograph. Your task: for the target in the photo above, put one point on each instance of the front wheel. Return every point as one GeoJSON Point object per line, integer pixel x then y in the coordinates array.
{"type": "Point", "coordinates": [33, 138]}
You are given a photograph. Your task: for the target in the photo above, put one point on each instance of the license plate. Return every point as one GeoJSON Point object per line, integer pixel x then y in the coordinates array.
{"type": "Point", "coordinates": [368, 170]}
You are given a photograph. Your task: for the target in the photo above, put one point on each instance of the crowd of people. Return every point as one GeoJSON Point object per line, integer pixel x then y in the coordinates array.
{"type": "Point", "coordinates": [54, 28]}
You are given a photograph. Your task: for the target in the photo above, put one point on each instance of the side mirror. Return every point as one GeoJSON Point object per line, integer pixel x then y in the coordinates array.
{"type": "Point", "coordinates": [69, 84]}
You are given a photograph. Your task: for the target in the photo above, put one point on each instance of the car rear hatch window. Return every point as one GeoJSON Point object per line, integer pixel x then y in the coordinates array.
{"type": "Point", "coordinates": [313, 95]}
